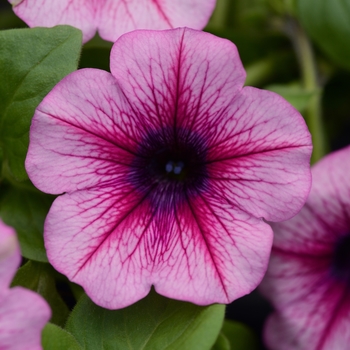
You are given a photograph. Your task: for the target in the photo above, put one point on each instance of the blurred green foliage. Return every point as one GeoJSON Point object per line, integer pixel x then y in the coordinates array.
{"type": "Point", "coordinates": [154, 322]}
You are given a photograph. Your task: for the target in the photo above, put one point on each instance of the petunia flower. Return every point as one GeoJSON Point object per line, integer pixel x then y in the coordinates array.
{"type": "Point", "coordinates": [167, 166]}
{"type": "Point", "coordinates": [308, 279]}
{"type": "Point", "coordinates": [23, 313]}
{"type": "Point", "coordinates": [113, 18]}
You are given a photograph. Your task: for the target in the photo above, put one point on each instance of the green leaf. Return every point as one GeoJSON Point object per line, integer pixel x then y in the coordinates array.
{"type": "Point", "coordinates": [294, 94]}
{"type": "Point", "coordinates": [328, 23]}
{"type": "Point", "coordinates": [56, 338]}
{"type": "Point", "coordinates": [221, 343]}
{"type": "Point", "coordinates": [95, 54]}
{"type": "Point", "coordinates": [39, 278]}
{"type": "Point", "coordinates": [239, 336]}
{"type": "Point", "coordinates": [25, 209]}
{"type": "Point", "coordinates": [153, 323]}
{"type": "Point", "coordinates": [32, 61]}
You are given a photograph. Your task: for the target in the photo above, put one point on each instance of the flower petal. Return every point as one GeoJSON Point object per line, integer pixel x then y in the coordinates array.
{"type": "Point", "coordinates": [313, 308]}
{"type": "Point", "coordinates": [119, 17]}
{"type": "Point", "coordinates": [23, 315]}
{"type": "Point", "coordinates": [9, 256]}
{"type": "Point", "coordinates": [220, 254]}
{"type": "Point", "coordinates": [112, 17]}
{"type": "Point", "coordinates": [326, 215]}
{"type": "Point", "coordinates": [193, 82]}
{"type": "Point", "coordinates": [115, 234]}
{"type": "Point", "coordinates": [304, 245]}
{"type": "Point", "coordinates": [95, 238]}
{"type": "Point", "coordinates": [260, 147]}
{"type": "Point", "coordinates": [42, 13]}
{"type": "Point", "coordinates": [67, 153]}
{"type": "Point", "coordinates": [116, 244]}
{"type": "Point", "coordinates": [292, 276]}
{"type": "Point", "coordinates": [316, 320]}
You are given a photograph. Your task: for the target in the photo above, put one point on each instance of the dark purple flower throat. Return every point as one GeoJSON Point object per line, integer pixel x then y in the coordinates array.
{"type": "Point", "coordinates": [170, 166]}
{"type": "Point", "coordinates": [341, 259]}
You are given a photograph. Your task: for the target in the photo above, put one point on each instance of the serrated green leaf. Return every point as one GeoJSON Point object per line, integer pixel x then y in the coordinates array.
{"type": "Point", "coordinates": [298, 97]}
{"type": "Point", "coordinates": [25, 209]}
{"type": "Point", "coordinates": [39, 278]}
{"type": "Point", "coordinates": [328, 23]}
{"type": "Point", "coordinates": [56, 338]}
{"type": "Point", "coordinates": [32, 62]}
{"type": "Point", "coordinates": [153, 323]}
{"type": "Point", "coordinates": [239, 336]}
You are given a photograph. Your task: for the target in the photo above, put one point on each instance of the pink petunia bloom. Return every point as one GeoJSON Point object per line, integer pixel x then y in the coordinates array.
{"type": "Point", "coordinates": [23, 313]}
{"type": "Point", "coordinates": [308, 279]}
{"type": "Point", "coordinates": [112, 18]}
{"type": "Point", "coordinates": [168, 166]}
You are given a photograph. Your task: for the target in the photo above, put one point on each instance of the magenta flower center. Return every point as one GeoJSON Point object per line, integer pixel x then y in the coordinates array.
{"type": "Point", "coordinates": [341, 259]}
{"type": "Point", "coordinates": [169, 166]}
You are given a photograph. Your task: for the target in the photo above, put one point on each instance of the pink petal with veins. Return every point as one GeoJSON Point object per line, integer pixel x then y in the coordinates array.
{"type": "Point", "coordinates": [23, 313]}
{"type": "Point", "coordinates": [198, 87]}
{"type": "Point", "coordinates": [254, 153]}
{"type": "Point", "coordinates": [283, 333]}
{"type": "Point", "coordinates": [42, 13]}
{"type": "Point", "coordinates": [9, 256]}
{"type": "Point", "coordinates": [112, 18]}
{"type": "Point", "coordinates": [213, 260]}
{"type": "Point", "coordinates": [119, 17]}
{"type": "Point", "coordinates": [305, 298]}
{"type": "Point", "coordinates": [117, 246]}
{"type": "Point", "coordinates": [136, 153]}
{"type": "Point", "coordinates": [96, 147]}
{"type": "Point", "coordinates": [189, 86]}
{"type": "Point", "coordinates": [306, 280]}
{"type": "Point", "coordinates": [326, 213]}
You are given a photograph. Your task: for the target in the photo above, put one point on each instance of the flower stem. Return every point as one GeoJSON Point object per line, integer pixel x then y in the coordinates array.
{"type": "Point", "coordinates": [313, 112]}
